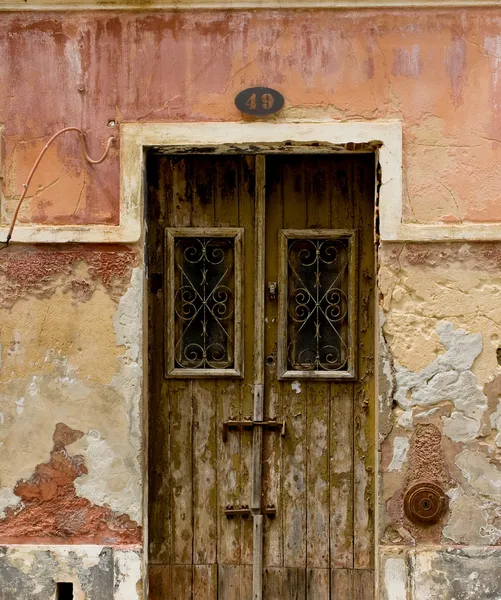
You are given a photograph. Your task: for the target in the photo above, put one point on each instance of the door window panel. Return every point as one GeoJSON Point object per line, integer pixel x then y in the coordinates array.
{"type": "Point", "coordinates": [317, 312]}
{"type": "Point", "coordinates": [204, 302]}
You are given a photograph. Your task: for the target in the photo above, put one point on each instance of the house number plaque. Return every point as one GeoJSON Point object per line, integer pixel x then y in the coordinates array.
{"type": "Point", "coordinates": [259, 101]}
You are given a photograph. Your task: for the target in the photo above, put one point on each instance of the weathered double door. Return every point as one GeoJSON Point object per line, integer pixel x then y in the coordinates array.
{"type": "Point", "coordinates": [261, 358]}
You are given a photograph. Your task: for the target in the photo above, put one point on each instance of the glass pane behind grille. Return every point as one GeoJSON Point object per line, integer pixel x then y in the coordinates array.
{"type": "Point", "coordinates": [318, 332]}
{"type": "Point", "coordinates": [204, 303]}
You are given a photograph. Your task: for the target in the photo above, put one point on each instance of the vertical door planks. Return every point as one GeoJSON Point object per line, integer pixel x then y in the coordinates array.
{"type": "Point", "coordinates": [205, 582]}
{"type": "Point", "coordinates": [341, 421]}
{"type": "Point", "coordinates": [294, 394]}
{"type": "Point", "coordinates": [228, 394]}
{"type": "Point", "coordinates": [363, 584]}
{"type": "Point", "coordinates": [319, 476]}
{"type": "Point", "coordinates": [363, 443]}
{"type": "Point", "coordinates": [318, 186]}
{"type": "Point", "coordinates": [342, 584]}
{"type": "Point", "coordinates": [246, 190]}
{"type": "Point", "coordinates": [204, 398]}
{"type": "Point", "coordinates": [341, 477]}
{"type": "Point", "coordinates": [160, 190]}
{"type": "Point", "coordinates": [272, 446]}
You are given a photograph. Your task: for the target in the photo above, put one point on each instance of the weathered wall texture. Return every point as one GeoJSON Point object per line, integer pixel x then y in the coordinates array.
{"type": "Point", "coordinates": [442, 331]}
{"type": "Point", "coordinates": [71, 316]}
{"type": "Point", "coordinates": [439, 71]}
{"type": "Point", "coordinates": [70, 389]}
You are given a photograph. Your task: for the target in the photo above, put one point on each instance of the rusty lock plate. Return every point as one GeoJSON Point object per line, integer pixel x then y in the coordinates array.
{"type": "Point", "coordinates": [425, 503]}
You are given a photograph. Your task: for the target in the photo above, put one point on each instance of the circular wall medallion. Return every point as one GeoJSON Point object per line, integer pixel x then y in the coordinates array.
{"type": "Point", "coordinates": [425, 503]}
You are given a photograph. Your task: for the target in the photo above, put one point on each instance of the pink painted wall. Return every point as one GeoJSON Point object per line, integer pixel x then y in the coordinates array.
{"type": "Point", "coordinates": [438, 71]}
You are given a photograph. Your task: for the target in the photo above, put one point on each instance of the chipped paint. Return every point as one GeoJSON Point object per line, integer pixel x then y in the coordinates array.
{"type": "Point", "coordinates": [448, 379]}
{"type": "Point", "coordinates": [400, 449]}
{"type": "Point", "coordinates": [441, 331]}
{"type": "Point", "coordinates": [97, 572]}
{"type": "Point", "coordinates": [395, 579]}
{"type": "Point", "coordinates": [114, 476]}
{"type": "Point", "coordinates": [51, 374]}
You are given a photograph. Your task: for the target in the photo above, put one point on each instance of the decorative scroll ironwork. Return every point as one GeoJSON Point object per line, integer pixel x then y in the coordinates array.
{"type": "Point", "coordinates": [318, 304]}
{"type": "Point", "coordinates": [204, 303]}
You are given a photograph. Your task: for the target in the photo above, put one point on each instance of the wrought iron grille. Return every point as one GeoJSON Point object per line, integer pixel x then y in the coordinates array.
{"type": "Point", "coordinates": [204, 303]}
{"type": "Point", "coordinates": [318, 306]}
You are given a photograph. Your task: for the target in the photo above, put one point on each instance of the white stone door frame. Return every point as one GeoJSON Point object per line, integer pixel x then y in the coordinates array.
{"type": "Point", "coordinates": [384, 138]}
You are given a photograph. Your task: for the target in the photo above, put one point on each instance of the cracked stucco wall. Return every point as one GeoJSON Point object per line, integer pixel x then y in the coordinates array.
{"type": "Point", "coordinates": [70, 425]}
{"type": "Point", "coordinates": [439, 72]}
{"type": "Point", "coordinates": [441, 333]}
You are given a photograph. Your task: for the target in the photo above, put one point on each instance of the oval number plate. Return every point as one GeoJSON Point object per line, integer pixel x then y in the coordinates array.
{"type": "Point", "coordinates": [259, 101]}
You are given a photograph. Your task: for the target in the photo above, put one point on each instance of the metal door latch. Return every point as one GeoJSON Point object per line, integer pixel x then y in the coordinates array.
{"type": "Point", "coordinates": [248, 425]}
{"type": "Point", "coordinates": [245, 512]}
{"type": "Point", "coordinates": [272, 290]}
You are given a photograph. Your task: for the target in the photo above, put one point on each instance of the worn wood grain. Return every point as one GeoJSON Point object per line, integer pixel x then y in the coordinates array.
{"type": "Point", "coordinates": [246, 582]}
{"type": "Point", "coordinates": [318, 584]}
{"type": "Point", "coordinates": [229, 582]}
{"type": "Point", "coordinates": [159, 492]}
{"type": "Point", "coordinates": [246, 191]}
{"type": "Point", "coordinates": [181, 471]}
{"type": "Point", "coordinates": [294, 395]}
{"type": "Point", "coordinates": [228, 394]}
{"type": "Point", "coordinates": [318, 476]}
{"type": "Point", "coordinates": [318, 209]}
{"type": "Point", "coordinates": [228, 475]}
{"type": "Point", "coordinates": [273, 582]}
{"type": "Point", "coordinates": [363, 584]}
{"type": "Point", "coordinates": [272, 455]}
{"type": "Point", "coordinates": [295, 584]}
{"type": "Point", "coordinates": [205, 508]}
{"type": "Point", "coordinates": [258, 383]}
{"type": "Point", "coordinates": [341, 476]}
{"type": "Point", "coordinates": [205, 582]}
{"type": "Point", "coordinates": [159, 581]}
{"type": "Point", "coordinates": [364, 426]}
{"type": "Point", "coordinates": [179, 208]}
{"type": "Point", "coordinates": [342, 584]}
{"type": "Point", "coordinates": [181, 583]}
{"type": "Point", "coordinates": [342, 215]}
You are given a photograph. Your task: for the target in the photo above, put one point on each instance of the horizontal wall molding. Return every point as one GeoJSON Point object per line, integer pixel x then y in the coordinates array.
{"type": "Point", "coordinates": [137, 138]}
{"type": "Point", "coordinates": [54, 5]}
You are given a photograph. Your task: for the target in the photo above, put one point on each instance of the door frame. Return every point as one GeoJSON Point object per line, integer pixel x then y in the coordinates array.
{"type": "Point", "coordinates": [382, 138]}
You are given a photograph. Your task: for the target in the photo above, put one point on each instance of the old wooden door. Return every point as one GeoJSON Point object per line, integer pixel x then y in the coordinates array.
{"type": "Point", "coordinates": [261, 301]}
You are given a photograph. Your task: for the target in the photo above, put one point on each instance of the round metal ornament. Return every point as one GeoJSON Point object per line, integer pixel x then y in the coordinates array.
{"type": "Point", "coordinates": [425, 503]}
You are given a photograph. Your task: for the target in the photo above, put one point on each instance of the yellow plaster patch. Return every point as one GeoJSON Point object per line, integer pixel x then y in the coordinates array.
{"type": "Point", "coordinates": [457, 289]}
{"type": "Point", "coordinates": [81, 332]}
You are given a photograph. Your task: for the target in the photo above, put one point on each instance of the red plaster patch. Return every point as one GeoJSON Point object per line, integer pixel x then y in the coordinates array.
{"type": "Point", "coordinates": [51, 512]}
{"type": "Point", "coordinates": [35, 271]}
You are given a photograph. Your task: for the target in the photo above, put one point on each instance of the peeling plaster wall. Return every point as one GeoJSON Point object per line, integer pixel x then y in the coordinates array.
{"type": "Point", "coordinates": [97, 572]}
{"type": "Point", "coordinates": [70, 431]}
{"type": "Point", "coordinates": [71, 316]}
{"type": "Point", "coordinates": [441, 333]}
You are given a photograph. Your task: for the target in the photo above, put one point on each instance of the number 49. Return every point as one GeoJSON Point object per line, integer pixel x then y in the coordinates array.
{"type": "Point", "coordinates": [266, 100]}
